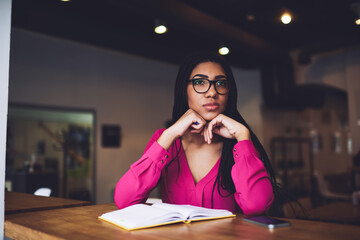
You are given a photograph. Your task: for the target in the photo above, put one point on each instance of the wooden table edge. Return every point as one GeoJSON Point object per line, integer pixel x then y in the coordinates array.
{"type": "Point", "coordinates": [46, 208]}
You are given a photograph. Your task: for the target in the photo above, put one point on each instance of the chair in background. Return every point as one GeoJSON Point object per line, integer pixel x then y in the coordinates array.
{"type": "Point", "coordinates": [327, 191]}
{"type": "Point", "coordinates": [45, 192]}
{"type": "Point", "coordinates": [293, 210]}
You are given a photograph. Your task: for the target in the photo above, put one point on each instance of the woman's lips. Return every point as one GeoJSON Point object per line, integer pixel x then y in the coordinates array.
{"type": "Point", "coordinates": [211, 106]}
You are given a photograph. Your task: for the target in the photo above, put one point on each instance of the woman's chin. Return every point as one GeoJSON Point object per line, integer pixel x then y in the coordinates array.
{"type": "Point", "coordinates": [209, 116]}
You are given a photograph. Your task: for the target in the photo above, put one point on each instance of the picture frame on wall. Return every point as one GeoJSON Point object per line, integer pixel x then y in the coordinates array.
{"type": "Point", "coordinates": [111, 136]}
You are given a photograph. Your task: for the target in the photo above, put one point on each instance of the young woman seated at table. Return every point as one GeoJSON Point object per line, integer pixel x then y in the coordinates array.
{"type": "Point", "coordinates": [209, 156]}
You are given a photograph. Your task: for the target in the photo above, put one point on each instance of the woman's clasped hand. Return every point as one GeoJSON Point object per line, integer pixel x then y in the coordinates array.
{"type": "Point", "coordinates": [221, 125]}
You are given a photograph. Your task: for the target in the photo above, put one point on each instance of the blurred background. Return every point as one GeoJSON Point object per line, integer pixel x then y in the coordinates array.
{"type": "Point", "coordinates": [91, 81]}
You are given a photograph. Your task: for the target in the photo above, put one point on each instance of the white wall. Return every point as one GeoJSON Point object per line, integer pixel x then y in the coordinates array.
{"type": "Point", "coordinates": [250, 99]}
{"type": "Point", "coordinates": [132, 91]}
{"type": "Point", "coordinates": [5, 24]}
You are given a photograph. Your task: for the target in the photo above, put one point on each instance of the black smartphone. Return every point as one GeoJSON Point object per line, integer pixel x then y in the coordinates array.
{"type": "Point", "coordinates": [267, 221]}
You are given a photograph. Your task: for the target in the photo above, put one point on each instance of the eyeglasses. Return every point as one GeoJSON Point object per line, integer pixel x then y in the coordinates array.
{"type": "Point", "coordinates": [202, 85]}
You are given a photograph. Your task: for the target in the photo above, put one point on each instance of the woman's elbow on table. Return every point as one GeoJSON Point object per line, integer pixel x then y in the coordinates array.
{"type": "Point", "coordinates": [257, 207]}
{"type": "Point", "coordinates": [123, 195]}
{"type": "Point", "coordinates": [258, 202]}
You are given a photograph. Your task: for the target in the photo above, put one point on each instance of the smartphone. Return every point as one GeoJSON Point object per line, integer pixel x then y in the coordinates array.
{"type": "Point", "coordinates": [267, 221]}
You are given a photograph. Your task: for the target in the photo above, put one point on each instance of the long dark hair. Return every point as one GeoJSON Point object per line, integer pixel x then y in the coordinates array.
{"type": "Point", "coordinates": [223, 179]}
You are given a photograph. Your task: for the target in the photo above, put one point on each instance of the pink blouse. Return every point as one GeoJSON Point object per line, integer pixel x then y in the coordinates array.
{"type": "Point", "coordinates": [254, 194]}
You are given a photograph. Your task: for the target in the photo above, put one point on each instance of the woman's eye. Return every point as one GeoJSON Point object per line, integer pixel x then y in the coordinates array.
{"type": "Point", "coordinates": [199, 82]}
{"type": "Point", "coordinates": [222, 83]}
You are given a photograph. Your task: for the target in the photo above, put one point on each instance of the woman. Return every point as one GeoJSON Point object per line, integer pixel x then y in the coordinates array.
{"type": "Point", "coordinates": [209, 156]}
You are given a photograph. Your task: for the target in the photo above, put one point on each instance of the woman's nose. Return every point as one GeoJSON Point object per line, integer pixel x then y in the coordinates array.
{"type": "Point", "coordinates": [212, 91]}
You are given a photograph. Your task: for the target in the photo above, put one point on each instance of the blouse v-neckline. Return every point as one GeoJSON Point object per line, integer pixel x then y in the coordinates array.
{"type": "Point", "coordinates": [210, 175]}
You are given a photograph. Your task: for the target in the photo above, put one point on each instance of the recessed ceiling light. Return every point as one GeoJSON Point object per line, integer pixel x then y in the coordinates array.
{"type": "Point", "coordinates": [160, 26]}
{"type": "Point", "coordinates": [65, 0]}
{"type": "Point", "coordinates": [250, 17]}
{"type": "Point", "coordinates": [286, 18]}
{"type": "Point", "coordinates": [356, 8]}
{"type": "Point", "coordinates": [224, 50]}
{"type": "Point", "coordinates": [160, 29]}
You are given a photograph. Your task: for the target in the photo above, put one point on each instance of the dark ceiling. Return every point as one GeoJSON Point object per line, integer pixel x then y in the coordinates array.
{"type": "Point", "coordinates": [127, 26]}
{"type": "Point", "coordinates": [263, 42]}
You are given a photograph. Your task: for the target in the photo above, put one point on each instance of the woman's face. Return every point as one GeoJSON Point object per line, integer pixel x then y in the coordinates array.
{"type": "Point", "coordinates": [210, 104]}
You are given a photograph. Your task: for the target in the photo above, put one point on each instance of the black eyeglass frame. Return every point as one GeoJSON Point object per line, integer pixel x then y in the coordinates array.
{"type": "Point", "coordinates": [210, 83]}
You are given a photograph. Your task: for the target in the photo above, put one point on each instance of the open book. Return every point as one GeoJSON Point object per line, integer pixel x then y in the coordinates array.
{"type": "Point", "coordinates": [140, 216]}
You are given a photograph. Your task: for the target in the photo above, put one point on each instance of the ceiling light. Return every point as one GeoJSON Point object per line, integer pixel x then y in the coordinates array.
{"type": "Point", "coordinates": [250, 17]}
{"type": "Point", "coordinates": [65, 0]}
{"type": "Point", "coordinates": [160, 28]}
{"type": "Point", "coordinates": [356, 8]}
{"type": "Point", "coordinates": [224, 50]}
{"type": "Point", "coordinates": [286, 18]}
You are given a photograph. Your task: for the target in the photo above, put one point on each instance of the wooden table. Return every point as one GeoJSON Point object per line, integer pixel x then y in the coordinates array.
{"type": "Point", "coordinates": [82, 223]}
{"type": "Point", "coordinates": [340, 212]}
{"type": "Point", "coordinates": [16, 202]}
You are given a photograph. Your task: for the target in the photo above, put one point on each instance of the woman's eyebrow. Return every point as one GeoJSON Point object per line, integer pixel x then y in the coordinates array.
{"type": "Point", "coordinates": [207, 77]}
{"type": "Point", "coordinates": [220, 76]}
{"type": "Point", "coordinates": [201, 75]}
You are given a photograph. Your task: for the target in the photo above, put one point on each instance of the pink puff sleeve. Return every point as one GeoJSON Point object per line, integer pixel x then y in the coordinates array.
{"type": "Point", "coordinates": [254, 193]}
{"type": "Point", "coordinates": [143, 176]}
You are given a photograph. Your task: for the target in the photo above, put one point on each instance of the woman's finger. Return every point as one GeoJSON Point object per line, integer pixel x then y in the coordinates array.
{"type": "Point", "coordinates": [209, 129]}
{"type": "Point", "coordinates": [208, 138]}
{"type": "Point", "coordinates": [212, 124]}
{"type": "Point", "coordinates": [205, 134]}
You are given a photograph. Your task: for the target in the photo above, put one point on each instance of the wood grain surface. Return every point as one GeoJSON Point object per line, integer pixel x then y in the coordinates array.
{"type": "Point", "coordinates": [83, 223]}
{"type": "Point", "coordinates": [16, 202]}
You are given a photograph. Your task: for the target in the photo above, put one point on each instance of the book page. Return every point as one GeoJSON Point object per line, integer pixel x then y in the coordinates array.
{"type": "Point", "coordinates": [193, 212]}
{"type": "Point", "coordinates": [140, 215]}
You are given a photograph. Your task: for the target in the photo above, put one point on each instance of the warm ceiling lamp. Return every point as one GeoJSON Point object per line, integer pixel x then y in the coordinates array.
{"type": "Point", "coordinates": [250, 17]}
{"type": "Point", "coordinates": [160, 28]}
{"type": "Point", "coordinates": [356, 8]}
{"type": "Point", "coordinates": [286, 18]}
{"type": "Point", "coordinates": [65, 0]}
{"type": "Point", "coordinates": [224, 50]}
